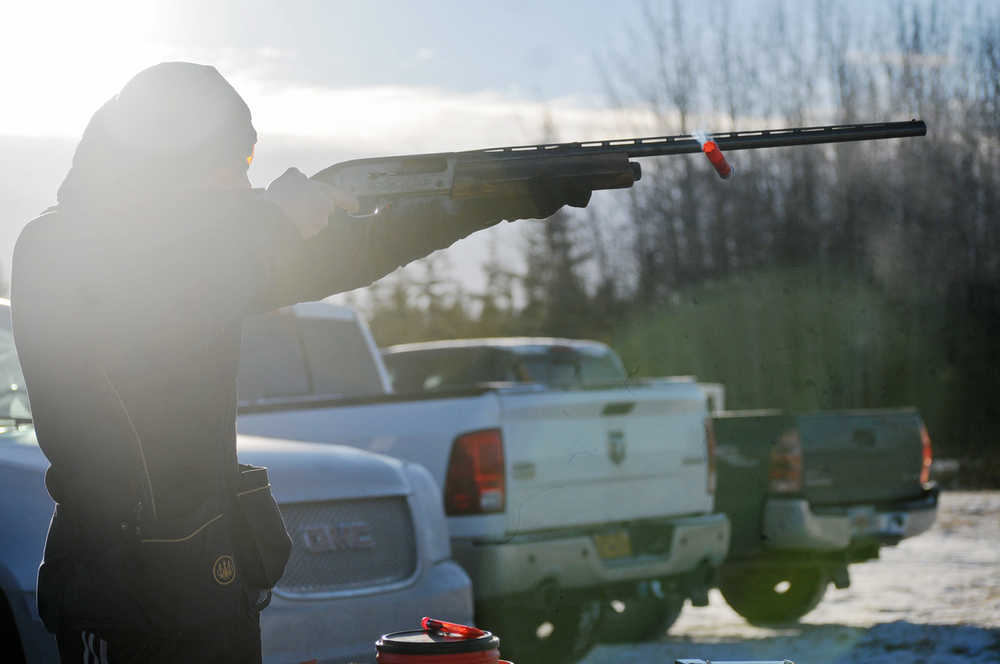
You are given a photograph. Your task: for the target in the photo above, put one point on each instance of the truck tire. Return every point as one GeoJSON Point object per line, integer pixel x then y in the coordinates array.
{"type": "Point", "coordinates": [773, 595]}
{"type": "Point", "coordinates": [562, 634]}
{"type": "Point", "coordinates": [640, 618]}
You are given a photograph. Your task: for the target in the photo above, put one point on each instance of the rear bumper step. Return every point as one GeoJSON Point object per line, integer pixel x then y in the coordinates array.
{"type": "Point", "coordinates": [791, 524]}
{"type": "Point", "coordinates": [575, 562]}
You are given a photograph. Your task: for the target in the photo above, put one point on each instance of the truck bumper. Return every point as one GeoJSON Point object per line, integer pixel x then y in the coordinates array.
{"type": "Point", "coordinates": [891, 523]}
{"type": "Point", "coordinates": [345, 629]}
{"type": "Point", "coordinates": [791, 524]}
{"type": "Point", "coordinates": [573, 561]}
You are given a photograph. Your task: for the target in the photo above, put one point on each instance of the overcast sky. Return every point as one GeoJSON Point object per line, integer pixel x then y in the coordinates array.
{"type": "Point", "coordinates": [64, 59]}
{"type": "Point", "coordinates": [326, 80]}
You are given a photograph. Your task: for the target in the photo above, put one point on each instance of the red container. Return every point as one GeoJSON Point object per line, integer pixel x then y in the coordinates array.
{"type": "Point", "coordinates": [425, 647]}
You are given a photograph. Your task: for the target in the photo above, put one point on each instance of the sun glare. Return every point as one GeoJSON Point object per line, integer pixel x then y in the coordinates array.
{"type": "Point", "coordinates": [64, 59]}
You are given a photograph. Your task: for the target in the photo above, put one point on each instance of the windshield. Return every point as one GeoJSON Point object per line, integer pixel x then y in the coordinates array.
{"type": "Point", "coordinates": [13, 396]}
{"type": "Point", "coordinates": [433, 369]}
{"type": "Point", "coordinates": [446, 368]}
{"type": "Point", "coordinates": [568, 366]}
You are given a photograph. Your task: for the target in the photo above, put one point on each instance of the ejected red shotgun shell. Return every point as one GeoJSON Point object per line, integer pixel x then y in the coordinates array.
{"type": "Point", "coordinates": [715, 156]}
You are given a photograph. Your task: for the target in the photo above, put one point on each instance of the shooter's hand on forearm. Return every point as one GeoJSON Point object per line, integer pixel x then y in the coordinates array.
{"type": "Point", "coordinates": [308, 203]}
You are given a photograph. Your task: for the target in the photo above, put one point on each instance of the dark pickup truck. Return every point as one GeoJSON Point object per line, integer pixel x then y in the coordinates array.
{"type": "Point", "coordinates": [808, 494]}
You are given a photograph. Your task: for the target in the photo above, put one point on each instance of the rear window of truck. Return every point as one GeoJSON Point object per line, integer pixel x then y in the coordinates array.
{"type": "Point", "coordinates": [441, 369]}
{"type": "Point", "coordinates": [568, 366]}
{"type": "Point", "coordinates": [283, 356]}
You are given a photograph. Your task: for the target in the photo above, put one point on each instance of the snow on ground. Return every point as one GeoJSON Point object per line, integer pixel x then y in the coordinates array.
{"type": "Point", "coordinates": [934, 599]}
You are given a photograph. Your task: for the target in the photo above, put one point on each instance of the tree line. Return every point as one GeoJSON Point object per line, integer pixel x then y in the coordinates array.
{"type": "Point", "coordinates": [841, 276]}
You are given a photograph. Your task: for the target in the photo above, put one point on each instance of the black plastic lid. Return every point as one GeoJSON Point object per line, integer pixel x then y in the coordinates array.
{"type": "Point", "coordinates": [421, 642]}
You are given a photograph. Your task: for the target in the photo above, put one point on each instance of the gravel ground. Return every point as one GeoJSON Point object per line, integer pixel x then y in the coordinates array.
{"type": "Point", "coordinates": [934, 599]}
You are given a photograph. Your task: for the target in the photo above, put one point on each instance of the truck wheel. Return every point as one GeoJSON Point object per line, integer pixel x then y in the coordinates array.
{"type": "Point", "coordinates": [639, 618]}
{"type": "Point", "coordinates": [530, 635]}
{"type": "Point", "coordinates": [773, 595]}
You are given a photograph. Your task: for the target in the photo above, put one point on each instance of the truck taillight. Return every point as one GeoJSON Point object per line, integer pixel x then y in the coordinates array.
{"type": "Point", "coordinates": [927, 455]}
{"type": "Point", "coordinates": [785, 472]}
{"type": "Point", "coordinates": [475, 480]}
{"type": "Point", "coordinates": [710, 449]}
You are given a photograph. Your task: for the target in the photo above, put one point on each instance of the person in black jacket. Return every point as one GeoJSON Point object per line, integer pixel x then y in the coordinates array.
{"type": "Point", "coordinates": [128, 299]}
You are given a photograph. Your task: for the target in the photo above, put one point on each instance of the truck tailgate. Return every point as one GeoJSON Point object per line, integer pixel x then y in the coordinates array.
{"type": "Point", "coordinates": [604, 456]}
{"type": "Point", "coordinates": [865, 456]}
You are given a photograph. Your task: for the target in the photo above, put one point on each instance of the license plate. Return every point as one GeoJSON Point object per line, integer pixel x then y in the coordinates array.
{"type": "Point", "coordinates": [613, 545]}
{"type": "Point", "coordinates": [862, 520]}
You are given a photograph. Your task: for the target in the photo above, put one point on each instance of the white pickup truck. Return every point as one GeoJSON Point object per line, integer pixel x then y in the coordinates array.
{"type": "Point", "coordinates": [560, 501]}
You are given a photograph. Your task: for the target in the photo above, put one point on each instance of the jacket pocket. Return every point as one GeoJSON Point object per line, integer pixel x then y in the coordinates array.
{"type": "Point", "coordinates": [267, 544]}
{"type": "Point", "coordinates": [87, 579]}
{"type": "Point", "coordinates": [189, 568]}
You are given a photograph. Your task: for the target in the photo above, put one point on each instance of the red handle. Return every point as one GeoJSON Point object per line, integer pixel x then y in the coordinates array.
{"type": "Point", "coordinates": [445, 627]}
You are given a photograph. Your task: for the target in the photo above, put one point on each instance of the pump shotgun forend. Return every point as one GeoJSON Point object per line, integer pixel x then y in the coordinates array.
{"type": "Point", "coordinates": [520, 170]}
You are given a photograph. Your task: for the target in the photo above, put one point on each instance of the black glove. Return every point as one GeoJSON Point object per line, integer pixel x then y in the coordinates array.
{"type": "Point", "coordinates": [546, 200]}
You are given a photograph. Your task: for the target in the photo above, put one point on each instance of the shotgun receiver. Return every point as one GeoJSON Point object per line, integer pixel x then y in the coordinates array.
{"type": "Point", "coordinates": [523, 171]}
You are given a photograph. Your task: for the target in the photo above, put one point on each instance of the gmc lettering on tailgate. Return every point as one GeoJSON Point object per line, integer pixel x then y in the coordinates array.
{"type": "Point", "coordinates": [341, 536]}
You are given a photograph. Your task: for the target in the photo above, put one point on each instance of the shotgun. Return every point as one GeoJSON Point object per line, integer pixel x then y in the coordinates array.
{"type": "Point", "coordinates": [521, 171]}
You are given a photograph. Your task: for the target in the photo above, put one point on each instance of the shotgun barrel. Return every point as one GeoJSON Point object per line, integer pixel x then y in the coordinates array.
{"type": "Point", "coordinates": [658, 146]}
